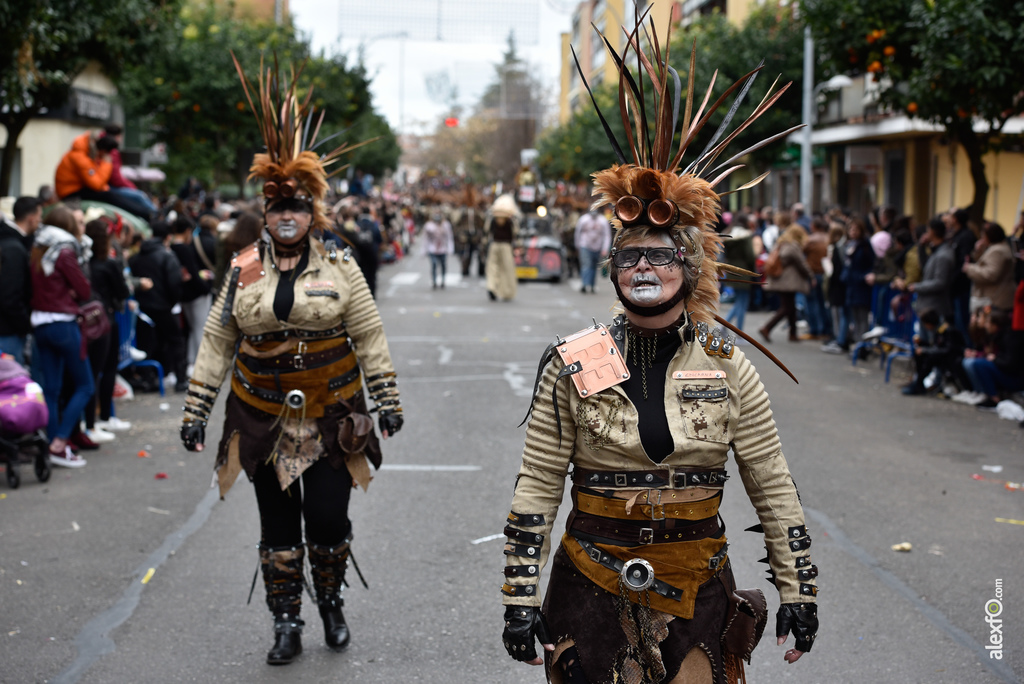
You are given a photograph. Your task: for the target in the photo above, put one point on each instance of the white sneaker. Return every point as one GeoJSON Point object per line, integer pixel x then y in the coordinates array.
{"type": "Point", "coordinates": [100, 436]}
{"type": "Point", "coordinates": [874, 333]}
{"type": "Point", "coordinates": [170, 379]}
{"type": "Point", "coordinates": [68, 459]}
{"type": "Point", "coordinates": [137, 354]}
{"type": "Point", "coordinates": [115, 424]}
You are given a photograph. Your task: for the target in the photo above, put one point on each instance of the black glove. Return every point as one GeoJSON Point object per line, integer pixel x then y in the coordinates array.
{"type": "Point", "coordinates": [522, 624]}
{"type": "Point", "coordinates": [193, 433]}
{"type": "Point", "coordinates": [802, 620]}
{"type": "Point", "coordinates": [390, 423]}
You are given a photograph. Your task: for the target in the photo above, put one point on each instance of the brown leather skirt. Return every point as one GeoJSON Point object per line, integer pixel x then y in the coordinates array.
{"type": "Point", "coordinates": [576, 609]}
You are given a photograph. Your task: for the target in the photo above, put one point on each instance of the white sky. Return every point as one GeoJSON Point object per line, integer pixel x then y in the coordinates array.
{"type": "Point", "coordinates": [470, 65]}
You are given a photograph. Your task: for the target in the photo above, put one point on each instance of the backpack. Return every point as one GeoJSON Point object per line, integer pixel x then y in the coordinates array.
{"type": "Point", "coordinates": [773, 265]}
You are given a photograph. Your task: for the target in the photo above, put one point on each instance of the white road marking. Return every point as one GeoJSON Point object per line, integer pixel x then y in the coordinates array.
{"type": "Point", "coordinates": [451, 378]}
{"type": "Point", "coordinates": [431, 468]}
{"type": "Point", "coordinates": [490, 537]}
{"type": "Point", "coordinates": [518, 380]}
{"type": "Point", "coordinates": [446, 355]}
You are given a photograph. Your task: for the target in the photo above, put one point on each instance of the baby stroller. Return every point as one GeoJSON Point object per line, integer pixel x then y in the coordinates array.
{"type": "Point", "coordinates": [23, 417]}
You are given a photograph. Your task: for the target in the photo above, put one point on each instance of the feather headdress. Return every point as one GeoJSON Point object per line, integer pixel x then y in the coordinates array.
{"type": "Point", "coordinates": [648, 189]}
{"type": "Point", "coordinates": [290, 167]}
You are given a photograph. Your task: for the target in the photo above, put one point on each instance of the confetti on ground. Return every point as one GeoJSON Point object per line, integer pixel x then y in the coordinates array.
{"type": "Point", "coordinates": [143, 454]}
{"type": "Point", "coordinates": [75, 526]}
{"type": "Point", "coordinates": [902, 546]}
{"type": "Point", "coordinates": [158, 510]}
{"type": "Point", "coordinates": [160, 476]}
{"type": "Point", "coordinates": [149, 575]}
{"type": "Point", "coordinates": [3, 496]}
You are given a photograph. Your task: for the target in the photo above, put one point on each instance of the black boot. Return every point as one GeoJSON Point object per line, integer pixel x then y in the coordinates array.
{"type": "Point", "coordinates": [328, 566]}
{"type": "Point", "coordinates": [282, 577]}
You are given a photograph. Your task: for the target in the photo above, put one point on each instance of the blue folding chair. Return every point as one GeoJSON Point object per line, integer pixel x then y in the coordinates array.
{"type": "Point", "coordinates": [126, 340]}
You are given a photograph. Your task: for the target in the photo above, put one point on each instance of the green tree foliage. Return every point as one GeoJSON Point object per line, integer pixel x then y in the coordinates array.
{"type": "Point", "coordinates": [577, 148]}
{"type": "Point", "coordinates": [955, 63]}
{"type": "Point", "coordinates": [45, 45]}
{"type": "Point", "coordinates": [191, 95]}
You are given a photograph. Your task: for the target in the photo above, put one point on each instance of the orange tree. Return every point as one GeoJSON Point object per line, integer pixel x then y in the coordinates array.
{"type": "Point", "coordinates": [956, 63]}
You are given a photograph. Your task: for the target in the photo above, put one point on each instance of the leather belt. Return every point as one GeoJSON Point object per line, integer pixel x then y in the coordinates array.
{"type": "Point", "coordinates": [662, 477]}
{"type": "Point", "coordinates": [282, 335]}
{"type": "Point", "coordinates": [630, 533]}
{"type": "Point", "coordinates": [295, 362]}
{"type": "Point", "coordinates": [278, 397]}
{"type": "Point", "coordinates": [612, 563]}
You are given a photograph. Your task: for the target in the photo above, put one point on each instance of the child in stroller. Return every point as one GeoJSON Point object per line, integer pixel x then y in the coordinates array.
{"type": "Point", "coordinates": [23, 416]}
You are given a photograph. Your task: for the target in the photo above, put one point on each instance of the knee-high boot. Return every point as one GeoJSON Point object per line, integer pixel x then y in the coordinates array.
{"type": "Point", "coordinates": [282, 577]}
{"type": "Point", "coordinates": [328, 566]}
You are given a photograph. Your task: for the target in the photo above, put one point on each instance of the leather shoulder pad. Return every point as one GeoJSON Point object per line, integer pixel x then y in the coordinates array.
{"type": "Point", "coordinates": [249, 263]}
{"type": "Point", "coordinates": [601, 363]}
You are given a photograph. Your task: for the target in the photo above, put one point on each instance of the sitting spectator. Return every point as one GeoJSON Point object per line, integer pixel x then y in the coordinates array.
{"type": "Point", "coordinates": [1000, 369]}
{"type": "Point", "coordinates": [796, 277]}
{"type": "Point", "coordinates": [161, 303]}
{"type": "Point", "coordinates": [119, 185]}
{"type": "Point", "coordinates": [59, 287]}
{"type": "Point", "coordinates": [991, 277]}
{"type": "Point", "coordinates": [940, 346]}
{"type": "Point", "coordinates": [15, 279]}
{"type": "Point", "coordinates": [84, 173]}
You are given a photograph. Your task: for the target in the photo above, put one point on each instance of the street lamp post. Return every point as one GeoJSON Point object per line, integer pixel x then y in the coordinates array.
{"type": "Point", "coordinates": [810, 117]}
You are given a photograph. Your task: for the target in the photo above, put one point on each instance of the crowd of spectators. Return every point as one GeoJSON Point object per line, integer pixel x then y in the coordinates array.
{"type": "Point", "coordinates": [952, 289]}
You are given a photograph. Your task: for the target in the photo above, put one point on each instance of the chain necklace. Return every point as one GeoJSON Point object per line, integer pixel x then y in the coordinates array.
{"type": "Point", "coordinates": [646, 348]}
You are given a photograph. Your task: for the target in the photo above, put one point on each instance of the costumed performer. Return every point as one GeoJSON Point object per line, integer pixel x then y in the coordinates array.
{"type": "Point", "coordinates": [293, 326]}
{"type": "Point", "coordinates": [641, 416]}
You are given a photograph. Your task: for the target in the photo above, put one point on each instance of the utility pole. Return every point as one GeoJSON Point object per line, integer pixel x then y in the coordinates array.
{"type": "Point", "coordinates": [806, 167]}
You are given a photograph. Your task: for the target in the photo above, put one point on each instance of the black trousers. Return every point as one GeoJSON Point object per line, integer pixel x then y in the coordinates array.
{"type": "Point", "coordinates": [103, 359]}
{"type": "Point", "coordinates": [321, 500]}
{"type": "Point", "coordinates": [787, 310]}
{"type": "Point", "coordinates": [165, 343]}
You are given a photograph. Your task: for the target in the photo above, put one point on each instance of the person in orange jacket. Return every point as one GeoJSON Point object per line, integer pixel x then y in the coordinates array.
{"type": "Point", "coordinates": [84, 173]}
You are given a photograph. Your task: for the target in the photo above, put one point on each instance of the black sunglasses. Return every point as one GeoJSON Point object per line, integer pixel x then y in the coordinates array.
{"type": "Point", "coordinates": [656, 256]}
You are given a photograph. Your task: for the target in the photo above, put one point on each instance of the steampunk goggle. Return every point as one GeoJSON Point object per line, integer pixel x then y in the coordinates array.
{"type": "Point", "coordinates": [658, 213]}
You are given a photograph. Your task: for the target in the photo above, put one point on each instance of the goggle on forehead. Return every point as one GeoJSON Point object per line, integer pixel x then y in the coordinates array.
{"type": "Point", "coordinates": [629, 257]}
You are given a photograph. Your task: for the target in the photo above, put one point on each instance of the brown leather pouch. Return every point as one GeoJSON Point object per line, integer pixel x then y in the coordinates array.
{"type": "Point", "coordinates": [354, 432]}
{"type": "Point", "coordinates": [745, 619]}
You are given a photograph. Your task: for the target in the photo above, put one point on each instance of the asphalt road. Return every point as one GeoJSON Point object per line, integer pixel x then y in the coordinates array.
{"type": "Point", "coordinates": [78, 602]}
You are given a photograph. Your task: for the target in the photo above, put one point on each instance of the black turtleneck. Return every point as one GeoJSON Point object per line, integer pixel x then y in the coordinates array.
{"type": "Point", "coordinates": [655, 435]}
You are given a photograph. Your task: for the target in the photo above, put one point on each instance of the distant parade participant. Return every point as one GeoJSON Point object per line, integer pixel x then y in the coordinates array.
{"type": "Point", "coordinates": [641, 416]}
{"type": "Point", "coordinates": [295, 328]}
{"type": "Point", "coordinates": [501, 226]}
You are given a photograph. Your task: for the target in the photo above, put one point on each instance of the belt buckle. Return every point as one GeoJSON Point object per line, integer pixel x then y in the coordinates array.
{"type": "Point", "coordinates": [620, 479]}
{"type": "Point", "coordinates": [297, 360]}
{"type": "Point", "coordinates": [646, 535]}
{"type": "Point", "coordinates": [657, 509]}
{"type": "Point", "coordinates": [594, 553]}
{"type": "Point", "coordinates": [712, 477]}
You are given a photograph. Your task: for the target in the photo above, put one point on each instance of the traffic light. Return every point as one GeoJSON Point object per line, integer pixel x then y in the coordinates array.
{"type": "Point", "coordinates": [451, 122]}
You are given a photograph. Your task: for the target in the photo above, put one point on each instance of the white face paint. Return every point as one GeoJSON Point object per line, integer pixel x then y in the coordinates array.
{"type": "Point", "coordinates": [286, 230]}
{"type": "Point", "coordinates": [645, 288]}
